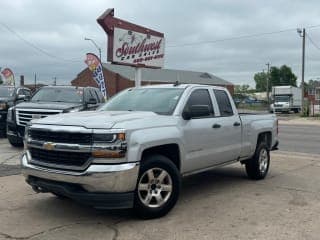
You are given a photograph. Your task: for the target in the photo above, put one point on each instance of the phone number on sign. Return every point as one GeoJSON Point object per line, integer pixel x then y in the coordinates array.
{"type": "Point", "coordinates": [149, 58]}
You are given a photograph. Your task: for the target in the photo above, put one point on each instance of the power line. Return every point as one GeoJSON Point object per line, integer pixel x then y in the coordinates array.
{"type": "Point", "coordinates": [312, 42]}
{"type": "Point", "coordinates": [238, 37]}
{"type": "Point", "coordinates": [34, 46]}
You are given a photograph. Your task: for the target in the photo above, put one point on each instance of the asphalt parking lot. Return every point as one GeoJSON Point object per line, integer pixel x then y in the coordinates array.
{"type": "Point", "coordinates": [220, 204]}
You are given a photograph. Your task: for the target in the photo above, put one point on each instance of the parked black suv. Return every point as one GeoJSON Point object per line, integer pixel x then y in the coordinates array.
{"type": "Point", "coordinates": [10, 96]}
{"type": "Point", "coordinates": [48, 101]}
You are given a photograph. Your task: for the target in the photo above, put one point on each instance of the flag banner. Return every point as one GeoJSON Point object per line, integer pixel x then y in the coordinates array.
{"type": "Point", "coordinates": [8, 75]}
{"type": "Point", "coordinates": [95, 67]}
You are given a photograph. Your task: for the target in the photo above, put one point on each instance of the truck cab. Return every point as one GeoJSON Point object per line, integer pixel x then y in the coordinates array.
{"type": "Point", "coordinates": [286, 99]}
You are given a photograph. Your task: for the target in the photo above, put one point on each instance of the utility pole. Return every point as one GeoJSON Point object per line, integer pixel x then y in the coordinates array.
{"type": "Point", "coordinates": [54, 81]}
{"type": "Point", "coordinates": [302, 34]}
{"type": "Point", "coordinates": [35, 82]}
{"type": "Point", "coordinates": [268, 82]}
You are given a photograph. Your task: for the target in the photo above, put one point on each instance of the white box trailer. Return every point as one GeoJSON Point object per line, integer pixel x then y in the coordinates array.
{"type": "Point", "coordinates": [286, 99]}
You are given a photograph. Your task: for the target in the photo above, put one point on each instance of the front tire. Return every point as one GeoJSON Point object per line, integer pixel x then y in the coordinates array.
{"type": "Point", "coordinates": [158, 187]}
{"type": "Point", "coordinates": [15, 141]}
{"type": "Point", "coordinates": [3, 133]}
{"type": "Point", "coordinates": [257, 168]}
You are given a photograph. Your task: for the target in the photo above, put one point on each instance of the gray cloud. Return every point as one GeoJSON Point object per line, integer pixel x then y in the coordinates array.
{"type": "Point", "coordinates": [59, 28]}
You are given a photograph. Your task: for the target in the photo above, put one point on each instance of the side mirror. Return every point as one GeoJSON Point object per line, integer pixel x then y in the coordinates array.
{"type": "Point", "coordinates": [92, 101]}
{"type": "Point", "coordinates": [196, 111]}
{"type": "Point", "coordinates": [21, 97]}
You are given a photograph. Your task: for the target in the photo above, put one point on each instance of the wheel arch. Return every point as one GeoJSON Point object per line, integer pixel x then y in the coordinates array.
{"type": "Point", "coordinates": [265, 137]}
{"type": "Point", "coordinates": [170, 150]}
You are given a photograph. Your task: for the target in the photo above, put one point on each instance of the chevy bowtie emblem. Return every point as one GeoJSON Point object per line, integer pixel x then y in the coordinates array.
{"type": "Point", "coordinates": [49, 146]}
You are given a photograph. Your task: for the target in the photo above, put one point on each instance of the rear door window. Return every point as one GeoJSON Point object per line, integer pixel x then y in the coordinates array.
{"type": "Point", "coordinates": [223, 103]}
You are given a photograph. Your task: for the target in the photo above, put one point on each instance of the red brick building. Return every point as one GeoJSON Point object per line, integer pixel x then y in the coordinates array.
{"type": "Point", "coordinates": [119, 77]}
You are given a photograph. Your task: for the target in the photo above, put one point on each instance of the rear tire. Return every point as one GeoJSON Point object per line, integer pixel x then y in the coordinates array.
{"type": "Point", "coordinates": [15, 141]}
{"type": "Point", "coordinates": [258, 166]}
{"type": "Point", "coordinates": [158, 187]}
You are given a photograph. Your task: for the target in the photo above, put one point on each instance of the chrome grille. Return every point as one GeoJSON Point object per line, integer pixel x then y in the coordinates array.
{"type": "Point", "coordinates": [59, 159]}
{"type": "Point", "coordinates": [24, 116]}
{"type": "Point", "coordinates": [277, 105]}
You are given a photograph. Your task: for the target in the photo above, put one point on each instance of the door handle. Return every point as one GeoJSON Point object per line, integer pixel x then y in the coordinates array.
{"type": "Point", "coordinates": [236, 124]}
{"type": "Point", "coordinates": [216, 125]}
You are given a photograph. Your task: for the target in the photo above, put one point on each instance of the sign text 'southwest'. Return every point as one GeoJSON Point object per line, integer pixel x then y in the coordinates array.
{"type": "Point", "coordinates": [132, 47]}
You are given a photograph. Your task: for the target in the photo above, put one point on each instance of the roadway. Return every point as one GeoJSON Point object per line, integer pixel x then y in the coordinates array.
{"type": "Point", "coordinates": [299, 138]}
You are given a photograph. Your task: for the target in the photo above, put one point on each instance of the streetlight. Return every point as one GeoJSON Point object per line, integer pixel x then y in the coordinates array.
{"type": "Point", "coordinates": [302, 33]}
{"type": "Point", "coordinates": [94, 43]}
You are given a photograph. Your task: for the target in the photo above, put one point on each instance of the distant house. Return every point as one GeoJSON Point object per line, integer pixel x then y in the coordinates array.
{"type": "Point", "coordinates": [119, 77]}
{"type": "Point", "coordinates": [314, 97]}
{"type": "Point", "coordinates": [314, 92]}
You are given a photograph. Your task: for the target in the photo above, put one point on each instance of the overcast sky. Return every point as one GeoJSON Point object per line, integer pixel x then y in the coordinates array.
{"type": "Point", "coordinates": [59, 28]}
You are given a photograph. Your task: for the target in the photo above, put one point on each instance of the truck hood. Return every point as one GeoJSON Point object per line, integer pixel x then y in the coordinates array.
{"type": "Point", "coordinates": [48, 105]}
{"type": "Point", "coordinates": [103, 119]}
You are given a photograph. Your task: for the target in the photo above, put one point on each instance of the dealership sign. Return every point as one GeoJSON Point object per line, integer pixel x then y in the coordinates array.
{"type": "Point", "coordinates": [131, 44]}
{"type": "Point", "coordinates": [130, 47]}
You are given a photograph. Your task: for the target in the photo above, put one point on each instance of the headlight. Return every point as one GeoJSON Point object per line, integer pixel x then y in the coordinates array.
{"type": "Point", "coordinates": [108, 137]}
{"type": "Point", "coordinates": [9, 115]}
{"type": "Point", "coordinates": [3, 106]}
{"type": "Point", "coordinates": [109, 145]}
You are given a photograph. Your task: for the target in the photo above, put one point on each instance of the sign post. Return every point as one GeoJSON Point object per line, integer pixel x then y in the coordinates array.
{"type": "Point", "coordinates": [137, 76]}
{"type": "Point", "coordinates": [132, 45]}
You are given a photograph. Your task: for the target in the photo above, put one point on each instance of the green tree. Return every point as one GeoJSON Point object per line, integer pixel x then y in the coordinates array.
{"type": "Point", "coordinates": [311, 85]}
{"type": "Point", "coordinates": [282, 76]}
{"type": "Point", "coordinates": [261, 81]}
{"type": "Point", "coordinates": [241, 89]}
{"type": "Point", "coordinates": [1, 81]}
{"type": "Point", "coordinates": [277, 77]}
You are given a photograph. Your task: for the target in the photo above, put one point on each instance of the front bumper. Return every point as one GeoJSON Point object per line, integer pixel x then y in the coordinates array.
{"type": "Point", "coordinates": [96, 180]}
{"type": "Point", "coordinates": [73, 191]}
{"type": "Point", "coordinates": [281, 109]}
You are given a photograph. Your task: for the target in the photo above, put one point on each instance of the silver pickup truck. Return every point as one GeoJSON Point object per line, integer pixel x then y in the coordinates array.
{"type": "Point", "coordinates": [135, 149]}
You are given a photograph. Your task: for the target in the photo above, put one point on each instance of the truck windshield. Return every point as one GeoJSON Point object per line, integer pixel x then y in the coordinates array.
{"type": "Point", "coordinates": [282, 99]}
{"type": "Point", "coordinates": [6, 91]}
{"type": "Point", "coordinates": [159, 100]}
{"type": "Point", "coordinates": [68, 95]}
